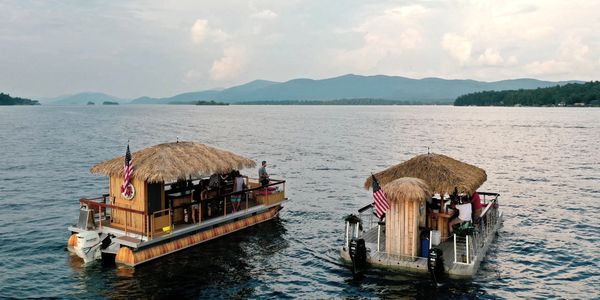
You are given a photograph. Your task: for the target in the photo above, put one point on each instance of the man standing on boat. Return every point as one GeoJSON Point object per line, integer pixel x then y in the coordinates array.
{"type": "Point", "coordinates": [263, 176]}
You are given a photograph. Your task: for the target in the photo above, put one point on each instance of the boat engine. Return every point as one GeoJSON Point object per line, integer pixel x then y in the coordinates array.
{"type": "Point", "coordinates": [358, 254]}
{"type": "Point", "coordinates": [88, 245]}
{"type": "Point", "coordinates": [435, 264]}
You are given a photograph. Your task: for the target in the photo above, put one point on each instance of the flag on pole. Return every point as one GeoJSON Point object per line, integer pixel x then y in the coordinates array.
{"type": "Point", "coordinates": [127, 172]}
{"type": "Point", "coordinates": [381, 201]}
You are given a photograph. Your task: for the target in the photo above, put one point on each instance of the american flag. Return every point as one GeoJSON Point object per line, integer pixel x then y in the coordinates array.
{"type": "Point", "coordinates": [381, 201]}
{"type": "Point", "coordinates": [127, 172]}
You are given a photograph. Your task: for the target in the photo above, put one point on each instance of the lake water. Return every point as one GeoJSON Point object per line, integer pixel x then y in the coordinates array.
{"type": "Point", "coordinates": [545, 163]}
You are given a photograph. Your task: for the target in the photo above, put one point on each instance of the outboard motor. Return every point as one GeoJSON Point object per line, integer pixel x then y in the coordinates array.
{"type": "Point", "coordinates": [88, 245]}
{"type": "Point", "coordinates": [358, 254]}
{"type": "Point", "coordinates": [435, 265]}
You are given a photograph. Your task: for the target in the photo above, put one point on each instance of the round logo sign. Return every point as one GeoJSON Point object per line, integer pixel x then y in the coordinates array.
{"type": "Point", "coordinates": [129, 192]}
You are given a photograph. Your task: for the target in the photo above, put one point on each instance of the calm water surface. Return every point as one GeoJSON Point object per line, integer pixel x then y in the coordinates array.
{"type": "Point", "coordinates": [545, 162]}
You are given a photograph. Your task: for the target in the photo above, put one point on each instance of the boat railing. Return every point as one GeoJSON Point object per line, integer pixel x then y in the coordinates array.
{"type": "Point", "coordinates": [105, 214]}
{"type": "Point", "coordinates": [467, 248]}
{"type": "Point", "coordinates": [161, 222]}
{"type": "Point", "coordinates": [367, 217]}
{"type": "Point", "coordinates": [268, 196]}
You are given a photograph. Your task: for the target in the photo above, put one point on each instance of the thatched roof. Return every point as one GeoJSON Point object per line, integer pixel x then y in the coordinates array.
{"type": "Point", "coordinates": [407, 189]}
{"type": "Point", "coordinates": [440, 172]}
{"type": "Point", "coordinates": [172, 161]}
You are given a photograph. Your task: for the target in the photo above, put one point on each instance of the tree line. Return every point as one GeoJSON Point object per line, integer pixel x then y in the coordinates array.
{"type": "Point", "coordinates": [353, 101]}
{"type": "Point", "coordinates": [6, 99]}
{"type": "Point", "coordinates": [566, 95]}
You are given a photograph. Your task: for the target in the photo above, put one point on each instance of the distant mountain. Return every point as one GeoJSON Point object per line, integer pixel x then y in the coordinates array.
{"type": "Point", "coordinates": [350, 86]}
{"type": "Point", "coordinates": [6, 99]}
{"type": "Point", "coordinates": [230, 93]}
{"type": "Point", "coordinates": [84, 99]}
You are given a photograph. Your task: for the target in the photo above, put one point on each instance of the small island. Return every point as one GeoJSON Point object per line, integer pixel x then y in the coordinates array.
{"type": "Point", "coordinates": [6, 99]}
{"type": "Point", "coordinates": [572, 94]}
{"type": "Point", "coordinates": [91, 103]}
{"type": "Point", "coordinates": [110, 103]}
{"type": "Point", "coordinates": [199, 103]}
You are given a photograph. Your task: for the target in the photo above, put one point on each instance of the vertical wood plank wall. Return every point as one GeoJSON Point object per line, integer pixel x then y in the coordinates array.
{"type": "Point", "coordinates": [402, 228]}
{"type": "Point", "coordinates": [134, 221]}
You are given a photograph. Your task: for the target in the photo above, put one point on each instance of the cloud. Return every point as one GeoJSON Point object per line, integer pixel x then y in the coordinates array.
{"type": "Point", "coordinates": [574, 48]}
{"type": "Point", "coordinates": [264, 15]}
{"type": "Point", "coordinates": [458, 46]}
{"type": "Point", "coordinates": [201, 32]}
{"type": "Point", "coordinates": [230, 65]}
{"type": "Point", "coordinates": [384, 36]}
{"type": "Point", "coordinates": [490, 57]}
{"type": "Point", "coordinates": [549, 67]}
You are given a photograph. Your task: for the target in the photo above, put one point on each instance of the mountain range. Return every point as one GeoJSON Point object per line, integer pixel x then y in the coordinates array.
{"type": "Point", "coordinates": [426, 90]}
{"type": "Point", "coordinates": [83, 99]}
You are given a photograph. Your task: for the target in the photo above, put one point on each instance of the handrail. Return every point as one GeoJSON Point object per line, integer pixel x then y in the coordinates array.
{"type": "Point", "coordinates": [90, 202]}
{"type": "Point", "coordinates": [367, 207]}
{"type": "Point", "coordinates": [488, 194]}
{"type": "Point", "coordinates": [231, 194]}
{"type": "Point", "coordinates": [487, 208]}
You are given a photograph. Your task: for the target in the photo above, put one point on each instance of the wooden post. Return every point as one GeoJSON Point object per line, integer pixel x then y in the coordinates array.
{"type": "Point", "coordinates": [378, 235]}
{"type": "Point", "coordinates": [125, 222]}
{"type": "Point", "coordinates": [152, 226]}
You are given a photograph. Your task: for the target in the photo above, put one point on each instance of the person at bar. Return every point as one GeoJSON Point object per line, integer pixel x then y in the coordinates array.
{"type": "Point", "coordinates": [464, 212]}
{"type": "Point", "coordinates": [238, 186]}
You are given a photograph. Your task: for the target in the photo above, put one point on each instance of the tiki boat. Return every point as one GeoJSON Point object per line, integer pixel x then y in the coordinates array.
{"type": "Point", "coordinates": [180, 195]}
{"type": "Point", "coordinates": [414, 234]}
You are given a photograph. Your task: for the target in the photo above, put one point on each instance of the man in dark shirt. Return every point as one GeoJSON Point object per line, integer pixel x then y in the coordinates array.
{"type": "Point", "coordinates": [263, 176]}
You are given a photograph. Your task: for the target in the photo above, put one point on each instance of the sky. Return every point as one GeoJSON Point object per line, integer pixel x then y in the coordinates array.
{"type": "Point", "coordinates": [161, 48]}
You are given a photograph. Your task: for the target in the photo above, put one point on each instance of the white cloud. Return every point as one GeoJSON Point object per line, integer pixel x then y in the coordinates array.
{"type": "Point", "coordinates": [264, 15]}
{"type": "Point", "coordinates": [573, 48]}
{"type": "Point", "coordinates": [384, 36]}
{"type": "Point", "coordinates": [490, 57]}
{"type": "Point", "coordinates": [549, 67]}
{"type": "Point", "coordinates": [199, 31]}
{"type": "Point", "coordinates": [230, 65]}
{"type": "Point", "coordinates": [458, 46]}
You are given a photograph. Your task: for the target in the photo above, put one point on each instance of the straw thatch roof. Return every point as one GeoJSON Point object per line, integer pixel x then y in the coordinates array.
{"type": "Point", "coordinates": [407, 189]}
{"type": "Point", "coordinates": [440, 172]}
{"type": "Point", "coordinates": [173, 161]}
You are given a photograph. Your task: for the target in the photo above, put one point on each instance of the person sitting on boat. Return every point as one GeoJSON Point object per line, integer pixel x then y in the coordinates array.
{"type": "Point", "coordinates": [263, 176]}
{"type": "Point", "coordinates": [239, 184]}
{"type": "Point", "coordinates": [477, 206]}
{"type": "Point", "coordinates": [464, 213]}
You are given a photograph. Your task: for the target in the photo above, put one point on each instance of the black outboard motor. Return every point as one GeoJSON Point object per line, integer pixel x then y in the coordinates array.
{"type": "Point", "coordinates": [358, 254]}
{"type": "Point", "coordinates": [106, 242]}
{"type": "Point", "coordinates": [435, 265]}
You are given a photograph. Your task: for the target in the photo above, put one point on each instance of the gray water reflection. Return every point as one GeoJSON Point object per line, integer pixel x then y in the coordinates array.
{"type": "Point", "coordinates": [544, 162]}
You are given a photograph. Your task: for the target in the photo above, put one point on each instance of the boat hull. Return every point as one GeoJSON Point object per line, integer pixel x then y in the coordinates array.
{"type": "Point", "coordinates": [133, 257]}
{"type": "Point", "coordinates": [419, 264]}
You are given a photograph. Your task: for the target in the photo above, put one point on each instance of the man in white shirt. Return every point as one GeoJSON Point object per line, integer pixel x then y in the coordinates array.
{"type": "Point", "coordinates": [464, 214]}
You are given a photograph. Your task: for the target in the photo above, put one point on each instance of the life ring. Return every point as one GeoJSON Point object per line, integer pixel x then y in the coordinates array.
{"type": "Point", "coordinates": [131, 194]}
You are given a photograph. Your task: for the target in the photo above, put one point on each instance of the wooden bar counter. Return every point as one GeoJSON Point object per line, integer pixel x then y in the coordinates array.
{"type": "Point", "coordinates": [442, 223]}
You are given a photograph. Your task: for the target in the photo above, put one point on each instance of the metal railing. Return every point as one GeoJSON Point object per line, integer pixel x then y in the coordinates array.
{"type": "Point", "coordinates": [467, 248]}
